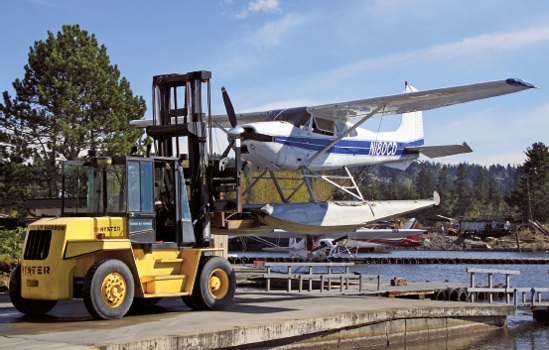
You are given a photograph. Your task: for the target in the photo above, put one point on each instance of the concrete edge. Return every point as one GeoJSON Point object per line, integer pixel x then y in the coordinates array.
{"type": "Point", "coordinates": [272, 332]}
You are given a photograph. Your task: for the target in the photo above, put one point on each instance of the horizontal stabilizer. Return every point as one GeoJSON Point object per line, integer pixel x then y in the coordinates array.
{"type": "Point", "coordinates": [440, 151]}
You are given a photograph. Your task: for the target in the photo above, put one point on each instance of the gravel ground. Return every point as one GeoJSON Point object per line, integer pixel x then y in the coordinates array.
{"type": "Point", "coordinates": [434, 241]}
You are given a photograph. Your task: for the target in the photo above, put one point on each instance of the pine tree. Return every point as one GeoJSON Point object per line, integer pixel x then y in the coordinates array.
{"type": "Point", "coordinates": [495, 198]}
{"type": "Point", "coordinates": [464, 201]}
{"type": "Point", "coordinates": [480, 186]}
{"type": "Point", "coordinates": [425, 183]}
{"type": "Point", "coordinates": [532, 184]}
{"type": "Point", "coordinates": [445, 188]}
{"type": "Point", "coordinates": [71, 99]}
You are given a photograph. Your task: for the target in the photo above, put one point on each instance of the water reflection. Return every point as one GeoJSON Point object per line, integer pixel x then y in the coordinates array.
{"type": "Point", "coordinates": [523, 332]}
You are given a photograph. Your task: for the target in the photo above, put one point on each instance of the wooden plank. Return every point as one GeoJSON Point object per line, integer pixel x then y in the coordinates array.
{"type": "Point", "coordinates": [503, 272]}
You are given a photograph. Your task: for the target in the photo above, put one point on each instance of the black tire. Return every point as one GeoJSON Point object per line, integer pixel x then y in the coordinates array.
{"type": "Point", "coordinates": [215, 285]}
{"type": "Point", "coordinates": [440, 294]}
{"type": "Point", "coordinates": [145, 302]}
{"type": "Point", "coordinates": [26, 306]}
{"type": "Point", "coordinates": [462, 295]}
{"type": "Point", "coordinates": [108, 289]}
{"type": "Point", "coordinates": [451, 294]}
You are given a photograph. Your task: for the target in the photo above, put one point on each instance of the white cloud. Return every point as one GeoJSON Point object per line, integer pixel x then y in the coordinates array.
{"type": "Point", "coordinates": [272, 6]}
{"type": "Point", "coordinates": [486, 44]}
{"type": "Point", "coordinates": [491, 43]}
{"type": "Point", "coordinates": [271, 32]}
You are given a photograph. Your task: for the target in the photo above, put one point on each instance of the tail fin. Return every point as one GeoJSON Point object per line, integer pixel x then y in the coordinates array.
{"type": "Point", "coordinates": [410, 224]}
{"type": "Point", "coordinates": [411, 124]}
{"type": "Point", "coordinates": [299, 248]}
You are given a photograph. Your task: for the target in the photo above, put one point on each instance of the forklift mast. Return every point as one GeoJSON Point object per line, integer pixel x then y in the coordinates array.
{"type": "Point", "coordinates": [166, 131]}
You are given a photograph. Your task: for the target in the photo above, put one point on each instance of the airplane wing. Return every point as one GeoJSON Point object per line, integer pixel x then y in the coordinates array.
{"type": "Point", "coordinates": [394, 104]}
{"type": "Point", "coordinates": [419, 100]}
{"type": "Point", "coordinates": [221, 119]}
{"type": "Point", "coordinates": [440, 151]}
{"type": "Point", "coordinates": [241, 118]}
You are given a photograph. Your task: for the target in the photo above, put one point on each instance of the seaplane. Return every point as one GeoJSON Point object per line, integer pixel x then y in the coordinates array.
{"type": "Point", "coordinates": [325, 246]}
{"type": "Point", "coordinates": [328, 137]}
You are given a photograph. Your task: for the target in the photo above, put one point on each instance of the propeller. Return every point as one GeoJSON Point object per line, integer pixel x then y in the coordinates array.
{"type": "Point", "coordinates": [340, 239]}
{"type": "Point", "coordinates": [237, 132]}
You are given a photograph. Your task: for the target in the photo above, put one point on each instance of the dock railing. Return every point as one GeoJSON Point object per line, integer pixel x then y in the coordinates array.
{"type": "Point", "coordinates": [344, 278]}
{"type": "Point", "coordinates": [535, 298]}
{"type": "Point", "coordinates": [508, 291]}
{"type": "Point", "coordinates": [519, 294]}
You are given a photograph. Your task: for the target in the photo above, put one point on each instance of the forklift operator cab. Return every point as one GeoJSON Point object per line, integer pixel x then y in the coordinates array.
{"type": "Point", "coordinates": [154, 203]}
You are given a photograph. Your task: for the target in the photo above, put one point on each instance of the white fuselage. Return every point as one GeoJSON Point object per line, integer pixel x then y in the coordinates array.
{"type": "Point", "coordinates": [292, 147]}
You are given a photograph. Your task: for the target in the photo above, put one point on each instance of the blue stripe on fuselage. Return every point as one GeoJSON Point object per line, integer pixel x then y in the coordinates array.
{"type": "Point", "coordinates": [351, 147]}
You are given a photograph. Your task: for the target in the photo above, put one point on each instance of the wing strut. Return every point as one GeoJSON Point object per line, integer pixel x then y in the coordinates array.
{"type": "Point", "coordinates": [331, 144]}
{"type": "Point", "coordinates": [327, 178]}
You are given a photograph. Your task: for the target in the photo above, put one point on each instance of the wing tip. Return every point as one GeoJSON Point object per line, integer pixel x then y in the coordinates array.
{"type": "Point", "coordinates": [520, 82]}
{"type": "Point", "coordinates": [469, 149]}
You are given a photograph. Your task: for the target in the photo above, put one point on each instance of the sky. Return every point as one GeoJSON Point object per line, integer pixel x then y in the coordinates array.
{"type": "Point", "coordinates": [282, 53]}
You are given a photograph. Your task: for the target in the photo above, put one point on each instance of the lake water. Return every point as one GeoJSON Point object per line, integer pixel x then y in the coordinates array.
{"type": "Point", "coordinates": [523, 332]}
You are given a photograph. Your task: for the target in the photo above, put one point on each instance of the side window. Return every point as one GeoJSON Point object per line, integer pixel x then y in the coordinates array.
{"type": "Point", "coordinates": [116, 179]}
{"type": "Point", "coordinates": [304, 122]}
{"type": "Point", "coordinates": [324, 127]}
{"type": "Point", "coordinates": [343, 127]}
{"type": "Point", "coordinates": [140, 186]}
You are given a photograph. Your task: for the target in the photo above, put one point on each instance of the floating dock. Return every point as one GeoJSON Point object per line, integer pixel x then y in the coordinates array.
{"type": "Point", "coordinates": [404, 260]}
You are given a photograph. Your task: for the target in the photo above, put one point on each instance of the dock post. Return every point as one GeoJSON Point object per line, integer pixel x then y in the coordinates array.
{"type": "Point", "coordinates": [289, 289]}
{"type": "Point", "coordinates": [321, 283]}
{"type": "Point", "coordinates": [268, 279]}
{"type": "Point", "coordinates": [310, 279]}
{"type": "Point", "coordinates": [491, 297]}
{"type": "Point", "coordinates": [378, 283]}
{"type": "Point", "coordinates": [360, 286]}
{"type": "Point", "coordinates": [300, 283]}
{"type": "Point", "coordinates": [341, 284]}
{"type": "Point", "coordinates": [507, 282]}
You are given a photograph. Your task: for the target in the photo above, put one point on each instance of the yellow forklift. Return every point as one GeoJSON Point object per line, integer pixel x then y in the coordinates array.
{"type": "Point", "coordinates": [129, 232]}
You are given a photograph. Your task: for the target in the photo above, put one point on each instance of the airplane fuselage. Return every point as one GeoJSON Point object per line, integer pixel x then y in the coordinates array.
{"type": "Point", "coordinates": [291, 147]}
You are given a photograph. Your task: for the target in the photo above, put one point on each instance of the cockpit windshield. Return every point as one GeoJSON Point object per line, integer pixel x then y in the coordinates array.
{"type": "Point", "coordinates": [290, 115]}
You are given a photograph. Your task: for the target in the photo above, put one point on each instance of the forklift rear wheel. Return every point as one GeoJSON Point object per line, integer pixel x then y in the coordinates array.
{"type": "Point", "coordinates": [215, 285]}
{"type": "Point", "coordinates": [26, 306]}
{"type": "Point", "coordinates": [108, 289]}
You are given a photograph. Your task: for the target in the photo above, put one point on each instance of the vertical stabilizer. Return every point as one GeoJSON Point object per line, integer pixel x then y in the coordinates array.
{"type": "Point", "coordinates": [411, 124]}
{"type": "Point", "coordinates": [410, 224]}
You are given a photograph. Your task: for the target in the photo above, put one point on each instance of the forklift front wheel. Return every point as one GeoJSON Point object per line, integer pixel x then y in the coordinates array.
{"type": "Point", "coordinates": [108, 289]}
{"type": "Point", "coordinates": [26, 306]}
{"type": "Point", "coordinates": [215, 285]}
